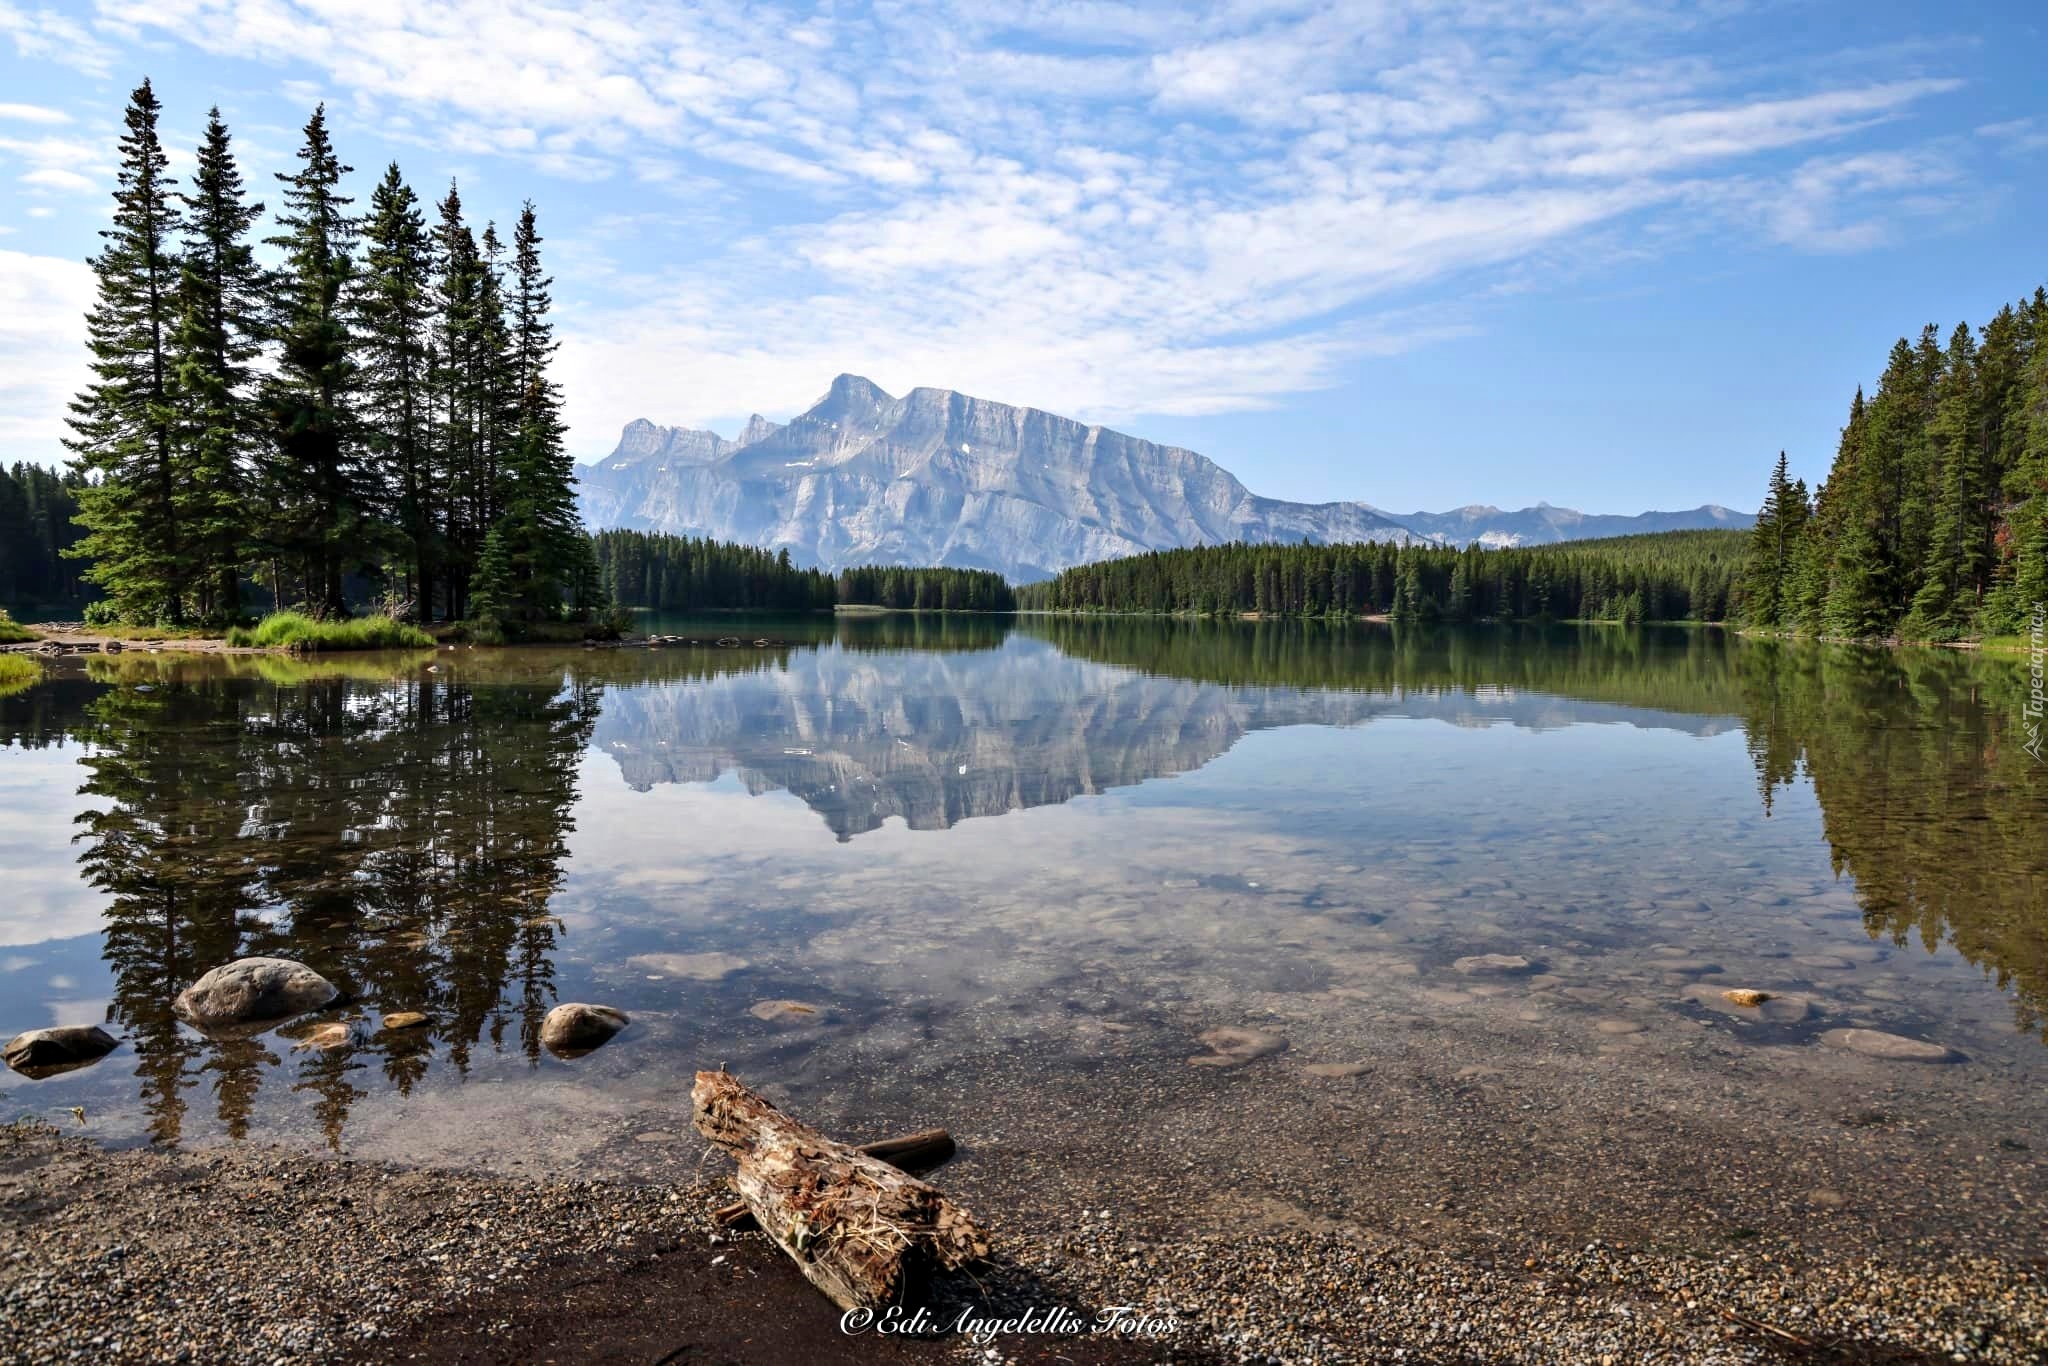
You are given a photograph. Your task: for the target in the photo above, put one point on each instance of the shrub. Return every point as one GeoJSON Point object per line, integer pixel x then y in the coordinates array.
{"type": "Point", "coordinates": [297, 631]}
{"type": "Point", "coordinates": [12, 632]}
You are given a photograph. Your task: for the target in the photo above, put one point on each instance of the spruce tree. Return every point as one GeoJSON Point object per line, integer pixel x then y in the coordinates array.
{"type": "Point", "coordinates": [1772, 543]}
{"type": "Point", "coordinates": [1947, 596]}
{"type": "Point", "coordinates": [316, 473]}
{"type": "Point", "coordinates": [123, 423]}
{"type": "Point", "coordinates": [396, 311]}
{"type": "Point", "coordinates": [220, 332]}
{"type": "Point", "coordinates": [458, 465]}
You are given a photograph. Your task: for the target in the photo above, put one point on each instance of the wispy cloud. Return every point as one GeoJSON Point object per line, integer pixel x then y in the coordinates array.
{"type": "Point", "coordinates": [1107, 207]}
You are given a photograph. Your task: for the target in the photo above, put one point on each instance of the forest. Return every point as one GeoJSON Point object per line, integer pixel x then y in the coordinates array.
{"type": "Point", "coordinates": [364, 411]}
{"type": "Point", "coordinates": [1933, 521]}
{"type": "Point", "coordinates": [36, 529]}
{"type": "Point", "coordinates": [1672, 576]}
{"type": "Point", "coordinates": [660, 572]}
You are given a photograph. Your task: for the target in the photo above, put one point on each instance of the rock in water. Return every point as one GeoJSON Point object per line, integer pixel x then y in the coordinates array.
{"type": "Point", "coordinates": [1875, 1043]}
{"type": "Point", "coordinates": [1235, 1047]}
{"type": "Point", "coordinates": [1494, 965]}
{"type": "Point", "coordinates": [404, 1019]}
{"type": "Point", "coordinates": [46, 1052]}
{"type": "Point", "coordinates": [786, 1012]}
{"type": "Point", "coordinates": [252, 994]}
{"type": "Point", "coordinates": [573, 1028]}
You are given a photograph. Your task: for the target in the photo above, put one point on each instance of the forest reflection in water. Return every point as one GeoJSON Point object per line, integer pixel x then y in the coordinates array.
{"type": "Point", "coordinates": [401, 823]}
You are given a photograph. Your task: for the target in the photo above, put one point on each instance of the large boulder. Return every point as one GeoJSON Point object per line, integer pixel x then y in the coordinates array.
{"type": "Point", "coordinates": [250, 995]}
{"type": "Point", "coordinates": [573, 1028]}
{"type": "Point", "coordinates": [46, 1052]}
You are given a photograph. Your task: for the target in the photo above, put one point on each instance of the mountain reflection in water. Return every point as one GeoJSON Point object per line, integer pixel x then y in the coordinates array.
{"type": "Point", "coordinates": [401, 823]}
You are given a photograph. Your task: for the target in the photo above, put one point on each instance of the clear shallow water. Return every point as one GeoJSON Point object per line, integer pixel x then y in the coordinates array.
{"type": "Point", "coordinates": [1011, 868]}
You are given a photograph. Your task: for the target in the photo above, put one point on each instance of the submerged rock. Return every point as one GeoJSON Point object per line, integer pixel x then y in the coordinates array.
{"type": "Point", "coordinates": [786, 1012]}
{"type": "Point", "coordinates": [1875, 1043]}
{"type": "Point", "coordinates": [46, 1052]}
{"type": "Point", "coordinates": [1772, 1009]}
{"type": "Point", "coordinates": [253, 994]}
{"type": "Point", "coordinates": [1234, 1047]}
{"type": "Point", "coordinates": [698, 967]}
{"type": "Point", "coordinates": [573, 1028]}
{"type": "Point", "coordinates": [1336, 1071]}
{"type": "Point", "coordinates": [404, 1019]}
{"type": "Point", "coordinates": [1745, 996]}
{"type": "Point", "coordinates": [332, 1037]}
{"type": "Point", "coordinates": [1494, 965]}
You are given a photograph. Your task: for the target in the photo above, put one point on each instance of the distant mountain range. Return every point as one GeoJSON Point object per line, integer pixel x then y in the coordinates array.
{"type": "Point", "coordinates": [937, 477]}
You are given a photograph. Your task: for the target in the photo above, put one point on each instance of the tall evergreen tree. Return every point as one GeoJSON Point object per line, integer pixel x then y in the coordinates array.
{"type": "Point", "coordinates": [1774, 543]}
{"type": "Point", "coordinates": [321, 498]}
{"type": "Point", "coordinates": [459, 466]}
{"type": "Point", "coordinates": [397, 348]}
{"type": "Point", "coordinates": [1952, 580]}
{"type": "Point", "coordinates": [124, 423]}
{"type": "Point", "coordinates": [219, 336]}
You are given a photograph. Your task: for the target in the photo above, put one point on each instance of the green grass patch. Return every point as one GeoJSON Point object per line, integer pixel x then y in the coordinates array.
{"type": "Point", "coordinates": [13, 632]}
{"type": "Point", "coordinates": [297, 631]}
{"type": "Point", "coordinates": [17, 672]}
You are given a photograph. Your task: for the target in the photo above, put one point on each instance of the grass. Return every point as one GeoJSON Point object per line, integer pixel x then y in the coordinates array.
{"type": "Point", "coordinates": [17, 672]}
{"type": "Point", "coordinates": [296, 631]}
{"type": "Point", "coordinates": [12, 632]}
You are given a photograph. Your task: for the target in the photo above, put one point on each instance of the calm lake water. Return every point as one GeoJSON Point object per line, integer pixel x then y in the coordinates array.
{"type": "Point", "coordinates": [1017, 870]}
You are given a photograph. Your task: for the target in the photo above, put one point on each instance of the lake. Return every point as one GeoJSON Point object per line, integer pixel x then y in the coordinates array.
{"type": "Point", "coordinates": [1464, 903]}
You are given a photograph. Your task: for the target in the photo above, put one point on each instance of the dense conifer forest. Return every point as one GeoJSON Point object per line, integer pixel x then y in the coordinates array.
{"type": "Point", "coordinates": [1933, 521]}
{"type": "Point", "coordinates": [36, 528]}
{"type": "Point", "coordinates": [1675, 576]}
{"type": "Point", "coordinates": [362, 411]}
{"type": "Point", "coordinates": [659, 572]}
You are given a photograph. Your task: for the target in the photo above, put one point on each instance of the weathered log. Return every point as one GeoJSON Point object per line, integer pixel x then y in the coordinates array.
{"type": "Point", "coordinates": [918, 1153]}
{"type": "Point", "coordinates": [862, 1231]}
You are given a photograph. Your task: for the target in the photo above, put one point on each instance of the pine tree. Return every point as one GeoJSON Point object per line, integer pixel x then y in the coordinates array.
{"type": "Point", "coordinates": [220, 330]}
{"type": "Point", "coordinates": [123, 423]}
{"type": "Point", "coordinates": [458, 463]}
{"type": "Point", "coordinates": [1772, 544]}
{"type": "Point", "coordinates": [1952, 579]}
{"type": "Point", "coordinates": [397, 344]}
{"type": "Point", "coordinates": [320, 493]}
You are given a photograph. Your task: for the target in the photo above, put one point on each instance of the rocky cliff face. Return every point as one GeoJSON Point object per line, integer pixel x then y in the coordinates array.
{"type": "Point", "coordinates": [938, 477]}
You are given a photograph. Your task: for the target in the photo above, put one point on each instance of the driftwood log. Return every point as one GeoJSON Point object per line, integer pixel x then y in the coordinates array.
{"type": "Point", "coordinates": [924, 1151]}
{"type": "Point", "coordinates": [864, 1232]}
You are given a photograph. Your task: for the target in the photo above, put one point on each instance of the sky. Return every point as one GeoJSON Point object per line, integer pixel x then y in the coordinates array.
{"type": "Point", "coordinates": [1612, 254]}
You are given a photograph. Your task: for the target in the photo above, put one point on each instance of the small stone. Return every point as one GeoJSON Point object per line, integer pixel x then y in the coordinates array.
{"type": "Point", "coordinates": [250, 995]}
{"type": "Point", "coordinates": [1620, 1026]}
{"type": "Point", "coordinates": [1745, 996]}
{"type": "Point", "coordinates": [1875, 1043]}
{"type": "Point", "coordinates": [1686, 967]}
{"type": "Point", "coordinates": [573, 1028]}
{"type": "Point", "coordinates": [1336, 1071]}
{"type": "Point", "coordinates": [1494, 965]}
{"type": "Point", "coordinates": [43, 1053]}
{"type": "Point", "coordinates": [1234, 1047]}
{"type": "Point", "coordinates": [331, 1037]}
{"type": "Point", "coordinates": [404, 1019]}
{"type": "Point", "coordinates": [786, 1012]}
{"type": "Point", "coordinates": [1776, 1010]}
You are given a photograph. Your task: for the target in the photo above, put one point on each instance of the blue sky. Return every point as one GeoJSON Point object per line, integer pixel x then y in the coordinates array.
{"type": "Point", "coordinates": [1609, 253]}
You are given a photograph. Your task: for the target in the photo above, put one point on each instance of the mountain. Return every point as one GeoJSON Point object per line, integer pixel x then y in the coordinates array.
{"type": "Point", "coordinates": [937, 477]}
{"type": "Point", "coordinates": [1547, 525]}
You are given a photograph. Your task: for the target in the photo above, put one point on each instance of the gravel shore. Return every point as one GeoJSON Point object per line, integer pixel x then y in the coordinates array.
{"type": "Point", "coordinates": [265, 1255]}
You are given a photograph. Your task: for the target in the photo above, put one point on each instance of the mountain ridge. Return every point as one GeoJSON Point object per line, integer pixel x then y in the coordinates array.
{"type": "Point", "coordinates": [940, 477]}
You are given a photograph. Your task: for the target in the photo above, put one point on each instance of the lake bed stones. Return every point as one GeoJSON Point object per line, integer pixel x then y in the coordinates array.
{"type": "Point", "coordinates": [1494, 965]}
{"type": "Point", "coordinates": [1773, 1009]}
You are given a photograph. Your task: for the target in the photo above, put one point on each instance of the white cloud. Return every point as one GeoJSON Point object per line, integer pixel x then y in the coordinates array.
{"type": "Point", "coordinates": [32, 113]}
{"type": "Point", "coordinates": [1109, 208]}
{"type": "Point", "coordinates": [42, 351]}
{"type": "Point", "coordinates": [50, 35]}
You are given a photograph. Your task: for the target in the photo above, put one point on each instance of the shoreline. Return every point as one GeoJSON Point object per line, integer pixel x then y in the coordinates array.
{"type": "Point", "coordinates": [252, 1253]}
